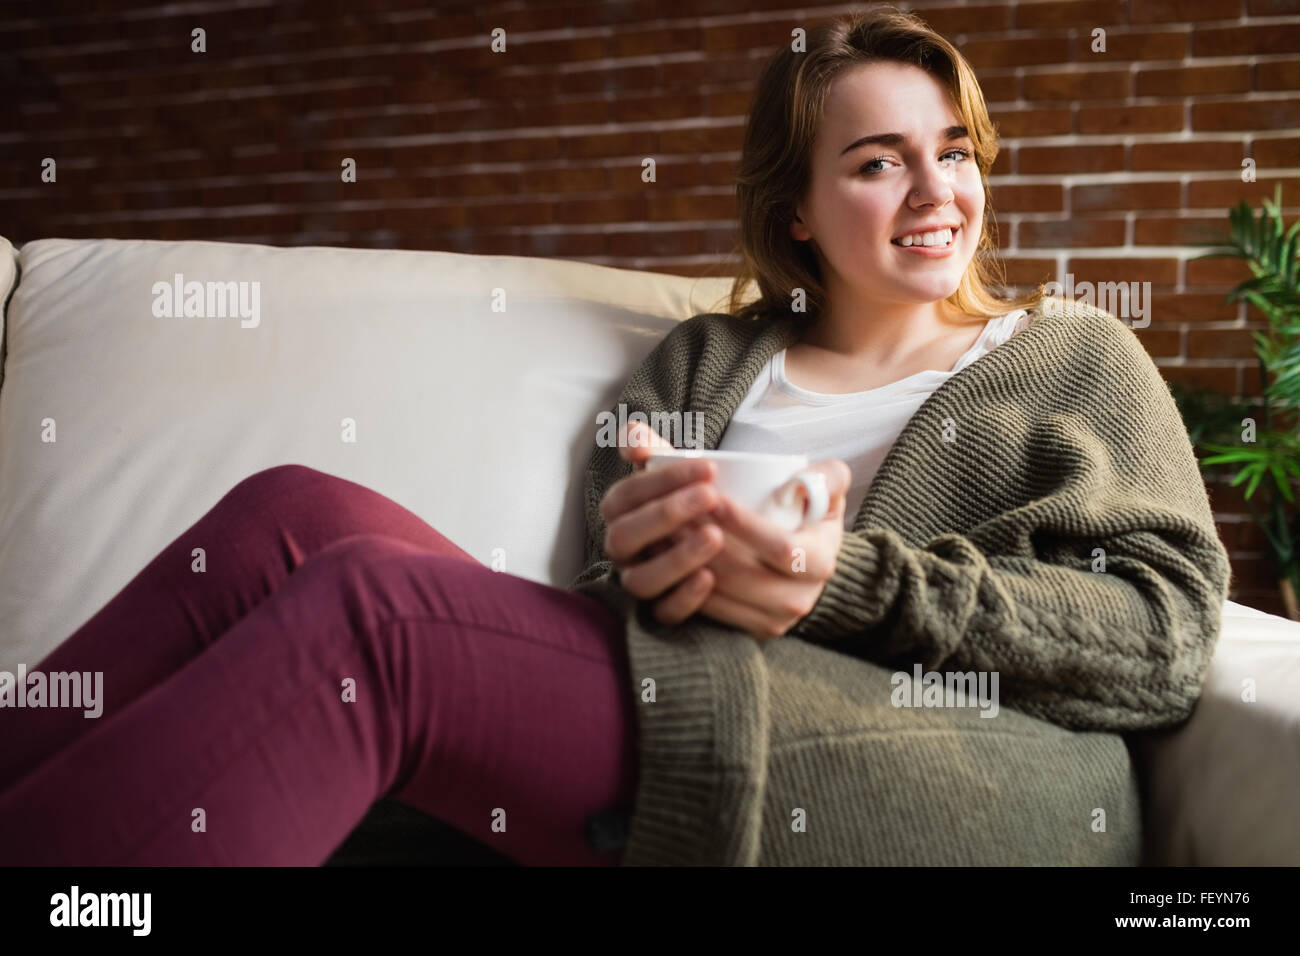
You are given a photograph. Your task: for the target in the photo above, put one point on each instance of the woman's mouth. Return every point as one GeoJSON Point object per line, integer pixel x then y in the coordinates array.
{"type": "Point", "coordinates": [935, 244]}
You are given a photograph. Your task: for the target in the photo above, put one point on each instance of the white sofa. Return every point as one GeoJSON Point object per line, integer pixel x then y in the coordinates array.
{"type": "Point", "coordinates": [466, 388]}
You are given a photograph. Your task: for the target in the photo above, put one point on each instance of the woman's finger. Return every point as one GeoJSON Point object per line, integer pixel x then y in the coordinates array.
{"type": "Point", "coordinates": [658, 518]}
{"type": "Point", "coordinates": [685, 599]}
{"type": "Point", "coordinates": [637, 441]}
{"type": "Point", "coordinates": [739, 576]}
{"type": "Point", "coordinates": [653, 578]}
{"type": "Point", "coordinates": [773, 545]}
{"type": "Point", "coordinates": [635, 490]}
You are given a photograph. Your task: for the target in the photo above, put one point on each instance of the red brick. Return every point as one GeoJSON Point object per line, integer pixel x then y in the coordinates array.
{"type": "Point", "coordinates": [1157, 271]}
{"type": "Point", "coordinates": [1220, 344]}
{"type": "Point", "coordinates": [1278, 75]}
{"type": "Point", "coordinates": [729, 102]}
{"type": "Point", "coordinates": [986, 53]}
{"type": "Point", "coordinates": [1246, 40]}
{"type": "Point", "coordinates": [1078, 84]}
{"type": "Point", "coordinates": [1176, 11]}
{"type": "Point", "coordinates": [999, 88]}
{"type": "Point", "coordinates": [1125, 46]}
{"type": "Point", "coordinates": [1189, 80]}
{"type": "Point", "coordinates": [683, 242]}
{"type": "Point", "coordinates": [1191, 155]}
{"type": "Point", "coordinates": [1257, 115]}
{"type": "Point", "coordinates": [627, 207]}
{"type": "Point", "coordinates": [594, 79]}
{"type": "Point", "coordinates": [1223, 273]}
{"type": "Point", "coordinates": [1177, 231]}
{"type": "Point", "coordinates": [658, 40]}
{"type": "Point", "coordinates": [985, 18]}
{"type": "Point", "coordinates": [1191, 307]}
{"type": "Point", "coordinates": [694, 140]}
{"type": "Point", "coordinates": [1125, 196]}
{"type": "Point", "coordinates": [1078, 14]}
{"type": "Point", "coordinates": [1027, 123]}
{"type": "Point", "coordinates": [1072, 159]}
{"type": "Point", "coordinates": [1022, 272]}
{"type": "Point", "coordinates": [1161, 343]}
{"type": "Point", "coordinates": [726, 37]}
{"type": "Point", "coordinates": [1283, 151]}
{"type": "Point", "coordinates": [632, 109]}
{"type": "Point", "coordinates": [1157, 118]}
{"type": "Point", "coordinates": [1270, 8]}
{"type": "Point", "coordinates": [1224, 194]}
{"type": "Point", "coordinates": [671, 205]}
{"type": "Point", "coordinates": [1028, 197]}
{"type": "Point", "coordinates": [1072, 232]}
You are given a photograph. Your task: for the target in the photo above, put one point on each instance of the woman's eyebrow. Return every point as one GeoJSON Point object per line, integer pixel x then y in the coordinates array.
{"type": "Point", "coordinates": [895, 139]}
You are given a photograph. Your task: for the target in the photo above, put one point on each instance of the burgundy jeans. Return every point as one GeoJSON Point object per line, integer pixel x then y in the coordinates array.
{"type": "Point", "coordinates": [335, 650]}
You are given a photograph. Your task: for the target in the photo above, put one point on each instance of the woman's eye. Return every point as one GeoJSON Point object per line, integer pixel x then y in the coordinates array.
{"type": "Point", "coordinates": [866, 167]}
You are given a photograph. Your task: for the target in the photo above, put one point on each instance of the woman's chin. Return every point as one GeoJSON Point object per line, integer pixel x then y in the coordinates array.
{"type": "Point", "coordinates": [939, 287]}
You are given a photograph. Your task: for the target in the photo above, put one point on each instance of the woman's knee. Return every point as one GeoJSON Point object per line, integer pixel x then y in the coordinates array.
{"type": "Point", "coordinates": [279, 479]}
{"type": "Point", "coordinates": [331, 505]}
{"type": "Point", "coordinates": [379, 571]}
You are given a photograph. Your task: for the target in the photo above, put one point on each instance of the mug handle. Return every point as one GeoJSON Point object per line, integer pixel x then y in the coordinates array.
{"type": "Point", "coordinates": [819, 499]}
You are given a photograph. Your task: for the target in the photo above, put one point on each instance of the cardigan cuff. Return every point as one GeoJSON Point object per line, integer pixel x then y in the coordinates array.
{"type": "Point", "coordinates": [851, 601]}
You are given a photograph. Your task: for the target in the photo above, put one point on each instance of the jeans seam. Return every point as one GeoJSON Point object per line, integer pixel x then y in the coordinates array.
{"type": "Point", "coordinates": [502, 631]}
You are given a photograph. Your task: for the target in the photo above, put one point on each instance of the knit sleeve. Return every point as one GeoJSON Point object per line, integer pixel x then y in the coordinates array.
{"type": "Point", "coordinates": [657, 385]}
{"type": "Point", "coordinates": [1097, 601]}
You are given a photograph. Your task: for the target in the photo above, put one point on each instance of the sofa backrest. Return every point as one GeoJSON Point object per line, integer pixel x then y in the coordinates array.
{"type": "Point", "coordinates": [464, 387]}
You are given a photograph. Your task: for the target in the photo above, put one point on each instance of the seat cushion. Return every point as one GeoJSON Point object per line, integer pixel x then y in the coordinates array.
{"type": "Point", "coordinates": [464, 387]}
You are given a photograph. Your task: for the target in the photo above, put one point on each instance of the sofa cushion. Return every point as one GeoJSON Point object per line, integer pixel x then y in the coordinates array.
{"type": "Point", "coordinates": [123, 419]}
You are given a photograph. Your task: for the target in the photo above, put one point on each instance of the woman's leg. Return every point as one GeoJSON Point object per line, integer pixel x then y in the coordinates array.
{"type": "Point", "coordinates": [253, 539]}
{"type": "Point", "coordinates": [376, 668]}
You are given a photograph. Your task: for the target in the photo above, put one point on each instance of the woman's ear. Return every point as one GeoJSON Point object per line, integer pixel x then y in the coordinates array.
{"type": "Point", "coordinates": [798, 230]}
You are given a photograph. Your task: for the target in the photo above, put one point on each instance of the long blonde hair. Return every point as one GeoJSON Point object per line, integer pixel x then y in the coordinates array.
{"type": "Point", "coordinates": [776, 160]}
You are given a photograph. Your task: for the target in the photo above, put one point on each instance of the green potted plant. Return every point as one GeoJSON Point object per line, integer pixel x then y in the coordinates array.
{"type": "Point", "coordinates": [1265, 458]}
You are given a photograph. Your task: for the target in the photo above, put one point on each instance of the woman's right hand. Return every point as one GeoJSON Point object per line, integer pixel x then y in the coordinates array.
{"type": "Point", "coordinates": [658, 532]}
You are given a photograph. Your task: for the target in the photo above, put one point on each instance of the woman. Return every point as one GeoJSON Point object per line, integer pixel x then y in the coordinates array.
{"type": "Point", "coordinates": [1013, 495]}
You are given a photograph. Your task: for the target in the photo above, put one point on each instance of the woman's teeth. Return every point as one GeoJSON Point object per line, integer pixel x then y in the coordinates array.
{"type": "Point", "coordinates": [943, 237]}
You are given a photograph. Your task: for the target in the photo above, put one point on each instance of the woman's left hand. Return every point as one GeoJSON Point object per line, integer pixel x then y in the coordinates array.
{"type": "Point", "coordinates": [767, 578]}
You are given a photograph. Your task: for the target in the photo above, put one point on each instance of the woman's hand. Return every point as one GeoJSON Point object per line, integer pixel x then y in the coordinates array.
{"type": "Point", "coordinates": [766, 578]}
{"type": "Point", "coordinates": [657, 530]}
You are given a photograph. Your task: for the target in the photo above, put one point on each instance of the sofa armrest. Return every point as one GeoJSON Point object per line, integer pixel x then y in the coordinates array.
{"type": "Point", "coordinates": [1223, 789]}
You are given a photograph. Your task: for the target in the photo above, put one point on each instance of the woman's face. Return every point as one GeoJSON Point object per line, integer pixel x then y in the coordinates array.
{"type": "Point", "coordinates": [919, 173]}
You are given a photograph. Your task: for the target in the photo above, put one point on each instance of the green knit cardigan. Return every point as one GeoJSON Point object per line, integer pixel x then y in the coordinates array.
{"type": "Point", "coordinates": [1040, 517]}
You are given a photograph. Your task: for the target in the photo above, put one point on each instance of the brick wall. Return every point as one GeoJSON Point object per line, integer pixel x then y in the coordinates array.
{"type": "Point", "coordinates": [1111, 161]}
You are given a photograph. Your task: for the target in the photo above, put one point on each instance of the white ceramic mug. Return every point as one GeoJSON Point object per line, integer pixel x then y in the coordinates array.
{"type": "Point", "coordinates": [762, 482]}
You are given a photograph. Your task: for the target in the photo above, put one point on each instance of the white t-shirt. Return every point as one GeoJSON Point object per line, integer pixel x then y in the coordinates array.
{"type": "Point", "coordinates": [859, 428]}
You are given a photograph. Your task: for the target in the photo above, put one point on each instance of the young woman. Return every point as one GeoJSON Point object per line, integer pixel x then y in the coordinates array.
{"type": "Point", "coordinates": [984, 455]}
